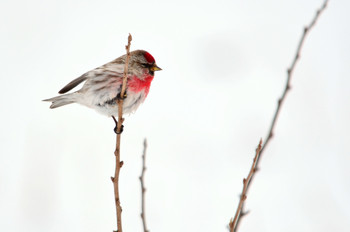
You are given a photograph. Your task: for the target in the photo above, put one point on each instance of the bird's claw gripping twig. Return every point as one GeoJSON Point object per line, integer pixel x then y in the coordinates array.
{"type": "Point", "coordinates": [116, 129]}
{"type": "Point", "coordinates": [116, 126]}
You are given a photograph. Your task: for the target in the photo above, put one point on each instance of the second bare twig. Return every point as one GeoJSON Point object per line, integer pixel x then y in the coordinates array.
{"type": "Point", "coordinates": [233, 225]}
{"type": "Point", "coordinates": [243, 196]}
{"type": "Point", "coordinates": [290, 70]}
{"type": "Point", "coordinates": [143, 189]}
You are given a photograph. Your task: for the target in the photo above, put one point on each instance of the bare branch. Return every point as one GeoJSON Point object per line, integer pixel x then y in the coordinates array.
{"type": "Point", "coordinates": [143, 189]}
{"type": "Point", "coordinates": [243, 196]}
{"type": "Point", "coordinates": [233, 225]}
{"type": "Point", "coordinates": [119, 163]}
{"type": "Point", "coordinates": [290, 71]}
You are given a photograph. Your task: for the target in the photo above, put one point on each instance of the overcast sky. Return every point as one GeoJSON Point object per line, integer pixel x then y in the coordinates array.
{"type": "Point", "coordinates": [224, 67]}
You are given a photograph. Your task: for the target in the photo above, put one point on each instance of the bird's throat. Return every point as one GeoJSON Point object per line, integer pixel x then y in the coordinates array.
{"type": "Point", "coordinates": [136, 85]}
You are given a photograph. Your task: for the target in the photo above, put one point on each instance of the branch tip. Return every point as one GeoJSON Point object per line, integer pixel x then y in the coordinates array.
{"type": "Point", "coordinates": [233, 224]}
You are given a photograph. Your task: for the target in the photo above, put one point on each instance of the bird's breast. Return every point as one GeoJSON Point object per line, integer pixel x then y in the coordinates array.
{"type": "Point", "coordinates": [136, 85]}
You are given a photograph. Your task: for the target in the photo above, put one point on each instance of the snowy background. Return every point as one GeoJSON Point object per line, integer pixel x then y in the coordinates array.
{"type": "Point", "coordinates": [224, 66]}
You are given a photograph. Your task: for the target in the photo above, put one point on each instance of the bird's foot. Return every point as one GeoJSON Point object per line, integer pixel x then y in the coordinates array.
{"type": "Point", "coordinates": [116, 129]}
{"type": "Point", "coordinates": [116, 126]}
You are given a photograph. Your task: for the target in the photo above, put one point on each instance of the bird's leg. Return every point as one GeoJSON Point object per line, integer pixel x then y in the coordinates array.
{"type": "Point", "coordinates": [116, 126]}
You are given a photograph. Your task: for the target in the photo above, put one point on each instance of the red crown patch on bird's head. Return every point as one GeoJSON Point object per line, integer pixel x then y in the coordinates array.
{"type": "Point", "coordinates": [149, 57]}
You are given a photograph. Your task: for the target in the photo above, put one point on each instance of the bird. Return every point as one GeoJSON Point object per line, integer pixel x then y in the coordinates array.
{"type": "Point", "coordinates": [103, 85]}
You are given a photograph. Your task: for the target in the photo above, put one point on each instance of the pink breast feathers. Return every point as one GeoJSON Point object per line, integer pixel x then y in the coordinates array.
{"type": "Point", "coordinates": [136, 85]}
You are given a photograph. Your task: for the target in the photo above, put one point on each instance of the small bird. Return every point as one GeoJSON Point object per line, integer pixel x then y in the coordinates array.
{"type": "Point", "coordinates": [103, 85]}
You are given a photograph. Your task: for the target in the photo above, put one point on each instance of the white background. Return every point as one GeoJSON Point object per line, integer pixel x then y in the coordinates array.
{"type": "Point", "coordinates": [224, 67]}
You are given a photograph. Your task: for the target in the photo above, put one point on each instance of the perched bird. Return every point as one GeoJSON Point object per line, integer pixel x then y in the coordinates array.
{"type": "Point", "coordinates": [103, 85]}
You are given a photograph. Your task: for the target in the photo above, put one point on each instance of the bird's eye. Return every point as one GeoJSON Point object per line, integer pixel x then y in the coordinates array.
{"type": "Point", "coordinates": [145, 65]}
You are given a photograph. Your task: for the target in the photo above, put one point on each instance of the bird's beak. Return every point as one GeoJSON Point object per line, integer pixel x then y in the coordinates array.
{"type": "Point", "coordinates": [154, 67]}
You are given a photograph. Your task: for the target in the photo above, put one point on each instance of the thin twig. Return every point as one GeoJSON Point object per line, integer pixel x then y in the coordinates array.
{"type": "Point", "coordinates": [290, 70]}
{"type": "Point", "coordinates": [143, 189]}
{"type": "Point", "coordinates": [119, 163]}
{"type": "Point", "coordinates": [243, 196]}
{"type": "Point", "coordinates": [307, 29]}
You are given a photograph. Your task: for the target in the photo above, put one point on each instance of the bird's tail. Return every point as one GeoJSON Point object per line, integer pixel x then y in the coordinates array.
{"type": "Point", "coordinates": [62, 100]}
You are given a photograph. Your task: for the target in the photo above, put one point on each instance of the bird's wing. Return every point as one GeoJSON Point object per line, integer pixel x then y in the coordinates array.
{"type": "Point", "coordinates": [102, 84]}
{"type": "Point", "coordinates": [73, 83]}
{"type": "Point", "coordinates": [114, 68]}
